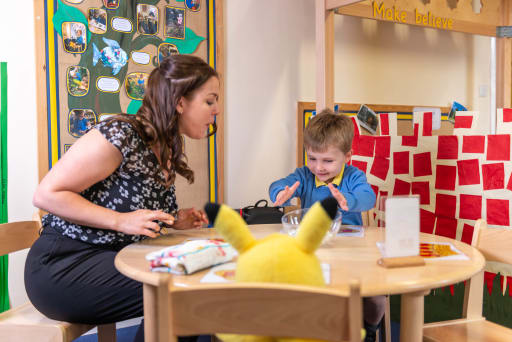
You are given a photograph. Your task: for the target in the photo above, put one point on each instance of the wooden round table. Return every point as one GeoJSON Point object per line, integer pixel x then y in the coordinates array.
{"type": "Point", "coordinates": [348, 257]}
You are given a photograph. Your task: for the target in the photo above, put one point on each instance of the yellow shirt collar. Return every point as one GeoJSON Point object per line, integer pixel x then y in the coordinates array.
{"type": "Point", "coordinates": [336, 181]}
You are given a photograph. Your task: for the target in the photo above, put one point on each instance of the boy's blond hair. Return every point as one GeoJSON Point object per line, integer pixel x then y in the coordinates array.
{"type": "Point", "coordinates": [329, 129]}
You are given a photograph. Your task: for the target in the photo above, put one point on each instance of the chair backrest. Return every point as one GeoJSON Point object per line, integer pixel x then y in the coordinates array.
{"type": "Point", "coordinates": [369, 218]}
{"type": "Point", "coordinates": [278, 310]}
{"type": "Point", "coordinates": [15, 236]}
{"type": "Point", "coordinates": [494, 244]}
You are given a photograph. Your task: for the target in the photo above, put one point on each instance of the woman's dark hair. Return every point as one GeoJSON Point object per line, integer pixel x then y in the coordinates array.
{"type": "Point", "coordinates": [157, 119]}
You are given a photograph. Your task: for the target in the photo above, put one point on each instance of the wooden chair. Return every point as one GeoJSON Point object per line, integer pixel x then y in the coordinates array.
{"type": "Point", "coordinates": [368, 218]}
{"type": "Point", "coordinates": [25, 323]}
{"type": "Point", "coordinates": [260, 309]}
{"type": "Point", "coordinates": [494, 244]}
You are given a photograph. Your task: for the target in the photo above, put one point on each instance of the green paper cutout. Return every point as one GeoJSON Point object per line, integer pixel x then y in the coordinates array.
{"type": "Point", "coordinates": [180, 0]}
{"type": "Point", "coordinates": [69, 13]}
{"type": "Point", "coordinates": [189, 44]}
{"type": "Point", "coordinates": [4, 259]}
{"type": "Point", "coordinates": [133, 107]}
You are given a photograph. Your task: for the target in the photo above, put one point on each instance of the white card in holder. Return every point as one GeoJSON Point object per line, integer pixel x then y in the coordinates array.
{"type": "Point", "coordinates": [402, 226]}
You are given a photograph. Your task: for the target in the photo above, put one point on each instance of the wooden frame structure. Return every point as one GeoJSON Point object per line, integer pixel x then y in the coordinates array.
{"type": "Point", "coordinates": [404, 126]}
{"type": "Point", "coordinates": [43, 69]}
{"type": "Point", "coordinates": [435, 14]}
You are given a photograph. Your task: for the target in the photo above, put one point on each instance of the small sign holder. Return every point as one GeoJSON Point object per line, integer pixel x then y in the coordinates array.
{"type": "Point", "coordinates": [402, 244]}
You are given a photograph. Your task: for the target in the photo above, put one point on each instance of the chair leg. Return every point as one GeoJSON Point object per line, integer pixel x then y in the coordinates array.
{"type": "Point", "coordinates": [107, 333]}
{"type": "Point", "coordinates": [386, 325]}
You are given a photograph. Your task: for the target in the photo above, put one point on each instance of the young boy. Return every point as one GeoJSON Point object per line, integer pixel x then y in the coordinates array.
{"type": "Point", "coordinates": [328, 143]}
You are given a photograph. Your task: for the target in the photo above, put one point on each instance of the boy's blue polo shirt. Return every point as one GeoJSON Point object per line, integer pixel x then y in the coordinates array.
{"type": "Point", "coordinates": [354, 186]}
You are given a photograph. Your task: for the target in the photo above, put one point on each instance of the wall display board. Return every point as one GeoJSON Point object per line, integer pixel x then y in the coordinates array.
{"type": "Point", "coordinates": [460, 178]}
{"type": "Point", "coordinates": [95, 61]}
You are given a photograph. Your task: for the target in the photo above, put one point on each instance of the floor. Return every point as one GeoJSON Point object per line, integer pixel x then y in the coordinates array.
{"type": "Point", "coordinates": [128, 333]}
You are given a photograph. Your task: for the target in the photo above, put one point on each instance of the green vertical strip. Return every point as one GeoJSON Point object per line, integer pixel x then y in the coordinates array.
{"type": "Point", "coordinates": [4, 261]}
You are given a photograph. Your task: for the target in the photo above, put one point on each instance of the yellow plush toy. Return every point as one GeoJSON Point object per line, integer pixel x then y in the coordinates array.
{"type": "Point", "coordinates": [277, 258]}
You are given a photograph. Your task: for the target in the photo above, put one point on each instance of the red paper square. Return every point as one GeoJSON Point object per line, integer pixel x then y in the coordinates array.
{"type": "Point", "coordinates": [401, 163]}
{"type": "Point", "coordinates": [497, 212]}
{"type": "Point", "coordinates": [375, 190]}
{"type": "Point", "coordinates": [427, 124]}
{"type": "Point", "coordinates": [463, 121]}
{"type": "Point", "coordinates": [422, 189]}
{"type": "Point", "coordinates": [498, 147]}
{"type": "Point", "coordinates": [446, 227]}
{"type": "Point", "coordinates": [382, 203]}
{"type": "Point", "coordinates": [382, 146]}
{"type": "Point", "coordinates": [366, 145]}
{"type": "Point", "coordinates": [447, 147]}
{"type": "Point", "coordinates": [380, 167]}
{"type": "Point", "coordinates": [427, 221]}
{"type": "Point", "coordinates": [446, 205]}
{"type": "Point", "coordinates": [384, 123]}
{"type": "Point", "coordinates": [411, 140]}
{"type": "Point", "coordinates": [488, 281]}
{"type": "Point", "coordinates": [421, 164]}
{"type": "Point", "coordinates": [401, 188]}
{"type": "Point", "coordinates": [507, 115]}
{"type": "Point", "coordinates": [473, 144]}
{"type": "Point", "coordinates": [509, 184]}
{"type": "Point", "coordinates": [361, 165]}
{"type": "Point", "coordinates": [470, 207]}
{"type": "Point", "coordinates": [355, 145]}
{"type": "Point", "coordinates": [469, 171]}
{"type": "Point", "coordinates": [493, 176]}
{"type": "Point", "coordinates": [356, 127]}
{"type": "Point", "coordinates": [467, 234]}
{"type": "Point", "coordinates": [445, 177]}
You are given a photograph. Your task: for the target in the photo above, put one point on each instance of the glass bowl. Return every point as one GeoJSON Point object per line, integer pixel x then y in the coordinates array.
{"type": "Point", "coordinates": [291, 222]}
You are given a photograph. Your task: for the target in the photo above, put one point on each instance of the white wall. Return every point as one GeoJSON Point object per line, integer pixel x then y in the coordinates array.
{"type": "Point", "coordinates": [17, 49]}
{"type": "Point", "coordinates": [270, 66]}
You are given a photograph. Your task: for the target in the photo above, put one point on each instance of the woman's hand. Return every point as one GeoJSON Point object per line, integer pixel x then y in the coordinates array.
{"type": "Point", "coordinates": [190, 218]}
{"type": "Point", "coordinates": [286, 194]}
{"type": "Point", "coordinates": [342, 201]}
{"type": "Point", "coordinates": [143, 222]}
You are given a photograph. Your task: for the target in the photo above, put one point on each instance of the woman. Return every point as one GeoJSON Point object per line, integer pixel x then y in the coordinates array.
{"type": "Point", "coordinates": [113, 187]}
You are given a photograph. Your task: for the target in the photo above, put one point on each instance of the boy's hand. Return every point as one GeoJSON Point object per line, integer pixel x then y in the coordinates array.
{"type": "Point", "coordinates": [342, 201]}
{"type": "Point", "coordinates": [284, 195]}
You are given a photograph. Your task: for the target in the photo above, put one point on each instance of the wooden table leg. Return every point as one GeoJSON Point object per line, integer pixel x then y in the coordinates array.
{"type": "Point", "coordinates": [150, 314]}
{"type": "Point", "coordinates": [412, 317]}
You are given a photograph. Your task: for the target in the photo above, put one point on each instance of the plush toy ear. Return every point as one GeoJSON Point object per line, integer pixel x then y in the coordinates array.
{"type": "Point", "coordinates": [230, 225]}
{"type": "Point", "coordinates": [315, 224]}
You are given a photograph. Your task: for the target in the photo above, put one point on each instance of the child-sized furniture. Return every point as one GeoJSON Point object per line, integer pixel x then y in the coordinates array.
{"type": "Point", "coordinates": [494, 244]}
{"type": "Point", "coordinates": [264, 309]}
{"type": "Point", "coordinates": [25, 323]}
